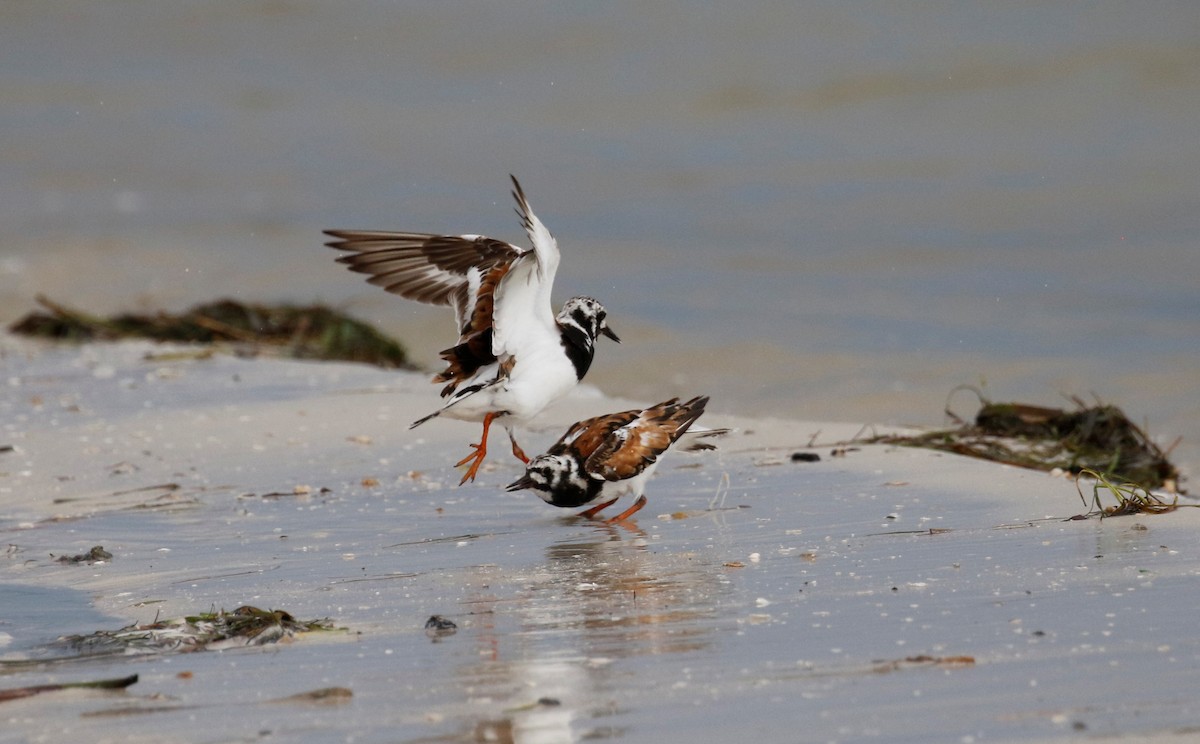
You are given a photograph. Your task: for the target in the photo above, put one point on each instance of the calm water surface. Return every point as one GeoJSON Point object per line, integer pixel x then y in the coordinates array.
{"type": "Point", "coordinates": [819, 210]}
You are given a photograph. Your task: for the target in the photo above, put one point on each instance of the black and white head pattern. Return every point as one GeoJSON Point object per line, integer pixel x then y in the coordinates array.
{"type": "Point", "coordinates": [586, 315]}
{"type": "Point", "coordinates": [559, 478]}
{"type": "Point", "coordinates": [582, 321]}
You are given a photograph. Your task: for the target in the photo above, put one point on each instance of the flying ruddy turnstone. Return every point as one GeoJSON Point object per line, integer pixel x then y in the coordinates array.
{"type": "Point", "coordinates": [514, 356]}
{"type": "Point", "coordinates": [600, 459]}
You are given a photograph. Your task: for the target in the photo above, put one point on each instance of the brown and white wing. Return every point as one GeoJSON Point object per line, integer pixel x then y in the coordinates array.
{"type": "Point", "coordinates": [473, 352]}
{"type": "Point", "coordinates": [434, 269]}
{"type": "Point", "coordinates": [589, 435]}
{"type": "Point", "coordinates": [633, 447]}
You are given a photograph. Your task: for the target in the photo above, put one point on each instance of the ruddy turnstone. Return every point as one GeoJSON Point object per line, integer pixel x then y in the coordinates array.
{"type": "Point", "coordinates": [514, 356]}
{"type": "Point", "coordinates": [600, 459]}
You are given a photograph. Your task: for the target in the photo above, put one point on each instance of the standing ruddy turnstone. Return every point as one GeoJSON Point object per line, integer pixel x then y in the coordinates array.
{"type": "Point", "coordinates": [514, 356]}
{"type": "Point", "coordinates": [600, 459]}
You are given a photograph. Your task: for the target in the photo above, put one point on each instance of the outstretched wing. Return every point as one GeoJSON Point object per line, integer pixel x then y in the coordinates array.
{"type": "Point", "coordinates": [523, 314]}
{"type": "Point", "coordinates": [434, 269]}
{"type": "Point", "coordinates": [638, 444]}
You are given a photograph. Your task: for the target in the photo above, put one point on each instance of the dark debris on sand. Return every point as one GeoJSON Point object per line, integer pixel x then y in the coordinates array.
{"type": "Point", "coordinates": [302, 332]}
{"type": "Point", "coordinates": [1098, 438]}
{"type": "Point", "coordinates": [245, 626]}
{"type": "Point", "coordinates": [96, 555]}
{"type": "Point", "coordinates": [437, 627]}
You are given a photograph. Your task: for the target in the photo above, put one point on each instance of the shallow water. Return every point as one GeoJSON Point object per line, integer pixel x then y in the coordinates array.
{"type": "Point", "coordinates": [34, 616]}
{"type": "Point", "coordinates": [820, 210]}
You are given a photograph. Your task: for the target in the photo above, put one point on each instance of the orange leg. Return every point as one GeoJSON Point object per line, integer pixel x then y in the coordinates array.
{"type": "Point", "coordinates": [520, 453]}
{"type": "Point", "coordinates": [637, 505]}
{"type": "Point", "coordinates": [596, 509]}
{"type": "Point", "coordinates": [476, 457]}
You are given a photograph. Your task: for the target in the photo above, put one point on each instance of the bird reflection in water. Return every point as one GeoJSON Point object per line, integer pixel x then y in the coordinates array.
{"type": "Point", "coordinates": [549, 641]}
{"type": "Point", "coordinates": [623, 599]}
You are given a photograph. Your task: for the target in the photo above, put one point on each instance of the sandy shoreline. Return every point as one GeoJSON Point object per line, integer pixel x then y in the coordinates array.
{"type": "Point", "coordinates": [754, 594]}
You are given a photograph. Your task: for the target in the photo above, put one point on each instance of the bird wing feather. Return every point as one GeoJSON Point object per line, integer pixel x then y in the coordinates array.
{"type": "Point", "coordinates": [434, 269]}
{"type": "Point", "coordinates": [636, 445]}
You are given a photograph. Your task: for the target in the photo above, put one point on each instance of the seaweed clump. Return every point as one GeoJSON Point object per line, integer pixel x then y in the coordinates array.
{"type": "Point", "coordinates": [1098, 438]}
{"type": "Point", "coordinates": [302, 332]}
{"type": "Point", "coordinates": [1131, 498]}
{"type": "Point", "coordinates": [245, 626]}
{"type": "Point", "coordinates": [96, 555]}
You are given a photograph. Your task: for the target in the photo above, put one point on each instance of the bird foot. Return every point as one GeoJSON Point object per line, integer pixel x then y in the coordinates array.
{"type": "Point", "coordinates": [475, 459]}
{"type": "Point", "coordinates": [517, 451]}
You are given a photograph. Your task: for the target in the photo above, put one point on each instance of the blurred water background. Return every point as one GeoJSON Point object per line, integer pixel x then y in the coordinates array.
{"type": "Point", "coordinates": [823, 210]}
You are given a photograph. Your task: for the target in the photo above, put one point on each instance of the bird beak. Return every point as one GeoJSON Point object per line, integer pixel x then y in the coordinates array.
{"type": "Point", "coordinates": [519, 484]}
{"type": "Point", "coordinates": [609, 332]}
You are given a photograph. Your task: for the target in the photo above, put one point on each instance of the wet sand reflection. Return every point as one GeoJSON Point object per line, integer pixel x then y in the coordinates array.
{"type": "Point", "coordinates": [549, 641]}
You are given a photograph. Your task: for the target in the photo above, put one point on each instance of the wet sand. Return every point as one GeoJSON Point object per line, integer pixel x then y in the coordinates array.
{"type": "Point", "coordinates": [887, 594]}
